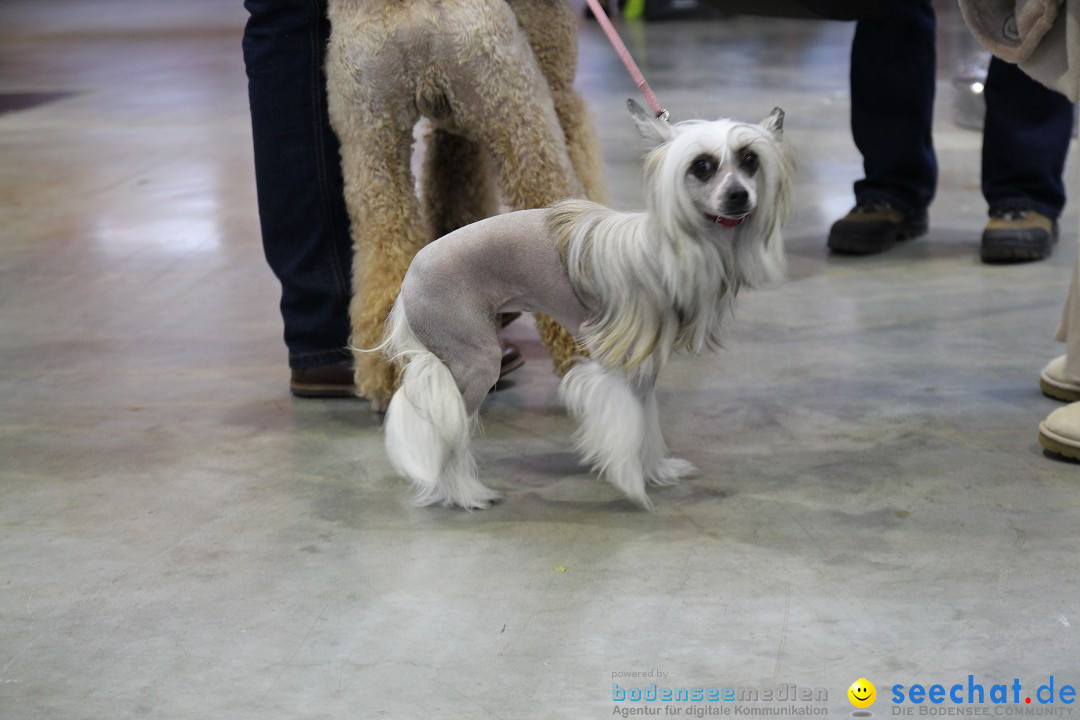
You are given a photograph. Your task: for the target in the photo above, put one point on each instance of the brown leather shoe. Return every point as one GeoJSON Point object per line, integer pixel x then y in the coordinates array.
{"type": "Point", "coordinates": [511, 359]}
{"type": "Point", "coordinates": [336, 379]}
{"type": "Point", "coordinates": [324, 381]}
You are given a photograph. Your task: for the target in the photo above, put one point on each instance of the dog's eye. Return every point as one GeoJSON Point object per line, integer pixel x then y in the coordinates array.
{"type": "Point", "coordinates": [703, 168]}
{"type": "Point", "coordinates": [749, 161]}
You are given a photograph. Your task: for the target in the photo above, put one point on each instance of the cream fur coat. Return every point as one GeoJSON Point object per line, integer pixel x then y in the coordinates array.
{"type": "Point", "coordinates": [1041, 36]}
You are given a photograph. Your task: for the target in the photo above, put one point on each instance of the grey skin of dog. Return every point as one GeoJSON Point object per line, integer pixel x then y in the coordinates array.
{"type": "Point", "coordinates": [457, 286]}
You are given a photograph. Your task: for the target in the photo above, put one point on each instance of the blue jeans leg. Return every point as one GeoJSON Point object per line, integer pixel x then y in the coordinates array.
{"type": "Point", "coordinates": [1025, 140]}
{"type": "Point", "coordinates": [892, 105]}
{"type": "Point", "coordinates": [305, 227]}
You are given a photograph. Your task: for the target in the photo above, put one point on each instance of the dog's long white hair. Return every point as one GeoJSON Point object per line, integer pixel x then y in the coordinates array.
{"type": "Point", "coordinates": [659, 283]}
{"type": "Point", "coordinates": [645, 285]}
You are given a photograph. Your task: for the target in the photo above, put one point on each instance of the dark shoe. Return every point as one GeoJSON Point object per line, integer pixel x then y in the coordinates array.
{"type": "Point", "coordinates": [1016, 236]}
{"type": "Point", "coordinates": [324, 381]}
{"type": "Point", "coordinates": [874, 226]}
{"type": "Point", "coordinates": [511, 359]}
{"type": "Point", "coordinates": [336, 379]}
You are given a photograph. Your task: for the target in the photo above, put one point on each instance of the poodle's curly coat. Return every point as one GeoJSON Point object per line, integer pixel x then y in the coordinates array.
{"type": "Point", "coordinates": [495, 78]}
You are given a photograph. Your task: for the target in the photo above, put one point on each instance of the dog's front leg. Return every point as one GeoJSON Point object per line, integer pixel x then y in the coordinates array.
{"type": "Point", "coordinates": [660, 468]}
{"type": "Point", "coordinates": [612, 427]}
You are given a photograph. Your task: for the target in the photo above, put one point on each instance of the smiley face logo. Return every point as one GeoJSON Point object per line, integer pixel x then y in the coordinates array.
{"type": "Point", "coordinates": [862, 693]}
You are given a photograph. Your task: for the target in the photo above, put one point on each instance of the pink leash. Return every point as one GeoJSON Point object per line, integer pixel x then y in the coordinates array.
{"type": "Point", "coordinates": [624, 55]}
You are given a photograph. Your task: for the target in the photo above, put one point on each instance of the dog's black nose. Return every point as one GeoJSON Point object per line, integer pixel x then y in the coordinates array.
{"type": "Point", "coordinates": [738, 196]}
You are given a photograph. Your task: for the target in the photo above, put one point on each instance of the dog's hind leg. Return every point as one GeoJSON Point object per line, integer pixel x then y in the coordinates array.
{"type": "Point", "coordinates": [552, 29]}
{"type": "Point", "coordinates": [375, 128]}
{"type": "Point", "coordinates": [613, 426]}
{"type": "Point", "coordinates": [428, 426]}
{"type": "Point", "coordinates": [517, 123]}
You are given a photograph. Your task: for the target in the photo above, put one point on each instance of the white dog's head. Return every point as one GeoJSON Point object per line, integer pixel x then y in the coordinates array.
{"type": "Point", "coordinates": [721, 182]}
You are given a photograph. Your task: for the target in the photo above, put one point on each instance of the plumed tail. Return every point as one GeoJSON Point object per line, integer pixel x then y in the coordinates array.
{"type": "Point", "coordinates": [427, 426]}
{"type": "Point", "coordinates": [398, 343]}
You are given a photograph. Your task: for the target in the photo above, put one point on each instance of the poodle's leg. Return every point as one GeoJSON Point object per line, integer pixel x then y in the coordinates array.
{"type": "Point", "coordinates": [428, 425]}
{"type": "Point", "coordinates": [519, 127]}
{"type": "Point", "coordinates": [455, 183]}
{"type": "Point", "coordinates": [387, 225]}
{"type": "Point", "coordinates": [388, 230]}
{"type": "Point", "coordinates": [565, 351]}
{"type": "Point", "coordinates": [551, 27]}
{"type": "Point", "coordinates": [502, 103]}
{"type": "Point", "coordinates": [525, 141]}
{"type": "Point", "coordinates": [613, 426]}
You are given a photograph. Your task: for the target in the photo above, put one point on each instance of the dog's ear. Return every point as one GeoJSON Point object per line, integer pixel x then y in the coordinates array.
{"type": "Point", "coordinates": [653, 130]}
{"type": "Point", "coordinates": [775, 122]}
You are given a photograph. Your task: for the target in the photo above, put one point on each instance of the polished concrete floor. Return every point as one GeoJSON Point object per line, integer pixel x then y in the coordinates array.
{"type": "Point", "coordinates": [179, 538]}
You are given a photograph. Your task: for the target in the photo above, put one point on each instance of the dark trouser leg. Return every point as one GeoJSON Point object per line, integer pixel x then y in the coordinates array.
{"type": "Point", "coordinates": [1025, 140]}
{"type": "Point", "coordinates": [305, 227]}
{"type": "Point", "coordinates": [892, 102]}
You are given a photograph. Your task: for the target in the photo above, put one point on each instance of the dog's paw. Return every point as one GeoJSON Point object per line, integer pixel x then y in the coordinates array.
{"type": "Point", "coordinates": [671, 470]}
{"type": "Point", "coordinates": [477, 500]}
{"type": "Point", "coordinates": [477, 497]}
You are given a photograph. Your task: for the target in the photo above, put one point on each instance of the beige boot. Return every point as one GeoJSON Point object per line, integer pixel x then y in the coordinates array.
{"type": "Point", "coordinates": [1055, 384]}
{"type": "Point", "coordinates": [1060, 431]}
